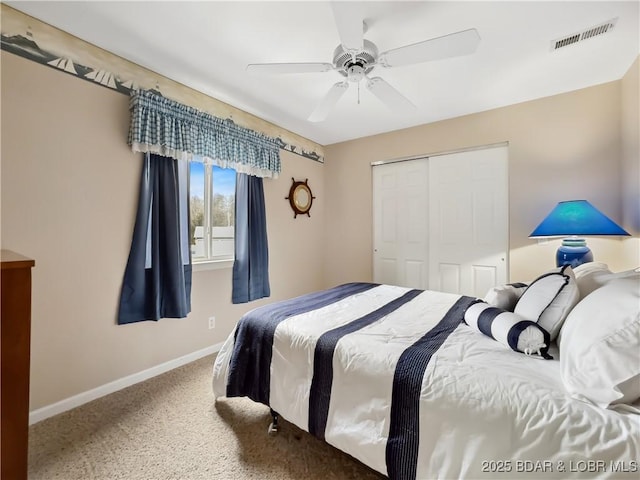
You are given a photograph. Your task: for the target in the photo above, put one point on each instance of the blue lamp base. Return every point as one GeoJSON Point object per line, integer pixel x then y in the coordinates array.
{"type": "Point", "coordinates": [574, 252]}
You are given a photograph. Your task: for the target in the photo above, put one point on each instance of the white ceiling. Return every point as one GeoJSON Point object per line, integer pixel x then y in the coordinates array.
{"type": "Point", "coordinates": [207, 45]}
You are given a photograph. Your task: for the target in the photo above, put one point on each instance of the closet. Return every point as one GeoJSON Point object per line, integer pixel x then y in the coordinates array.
{"type": "Point", "coordinates": [440, 222]}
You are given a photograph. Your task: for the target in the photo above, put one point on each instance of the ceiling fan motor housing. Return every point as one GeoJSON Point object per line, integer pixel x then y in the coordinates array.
{"type": "Point", "coordinates": [355, 66]}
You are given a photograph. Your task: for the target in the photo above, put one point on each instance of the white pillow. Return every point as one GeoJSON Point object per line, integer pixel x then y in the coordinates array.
{"type": "Point", "coordinates": [505, 296]}
{"type": "Point", "coordinates": [589, 267]}
{"type": "Point", "coordinates": [591, 275]}
{"type": "Point", "coordinates": [549, 299]}
{"type": "Point", "coordinates": [600, 344]}
{"type": "Point", "coordinates": [508, 328]}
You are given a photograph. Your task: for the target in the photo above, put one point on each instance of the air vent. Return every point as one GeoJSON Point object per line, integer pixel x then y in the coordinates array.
{"type": "Point", "coordinates": [584, 35]}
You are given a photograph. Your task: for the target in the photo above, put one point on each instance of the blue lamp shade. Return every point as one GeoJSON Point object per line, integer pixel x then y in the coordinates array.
{"type": "Point", "coordinates": [573, 218]}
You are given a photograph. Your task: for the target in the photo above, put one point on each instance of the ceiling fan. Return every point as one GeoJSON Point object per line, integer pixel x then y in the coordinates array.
{"type": "Point", "coordinates": [356, 57]}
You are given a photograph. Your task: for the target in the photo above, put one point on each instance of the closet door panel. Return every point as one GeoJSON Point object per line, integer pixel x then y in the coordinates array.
{"type": "Point", "coordinates": [468, 226]}
{"type": "Point", "coordinates": [400, 229]}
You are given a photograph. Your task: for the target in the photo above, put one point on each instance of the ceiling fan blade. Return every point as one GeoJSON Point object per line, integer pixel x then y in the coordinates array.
{"type": "Point", "coordinates": [349, 20]}
{"type": "Point", "coordinates": [328, 102]}
{"type": "Point", "coordinates": [285, 68]}
{"type": "Point", "coordinates": [452, 45]}
{"type": "Point", "coordinates": [389, 95]}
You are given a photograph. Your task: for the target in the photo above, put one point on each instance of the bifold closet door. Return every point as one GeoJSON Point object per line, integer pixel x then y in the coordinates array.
{"type": "Point", "coordinates": [400, 216]}
{"type": "Point", "coordinates": [468, 221]}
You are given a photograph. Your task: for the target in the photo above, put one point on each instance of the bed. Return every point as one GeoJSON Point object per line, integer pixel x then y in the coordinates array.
{"type": "Point", "coordinates": [396, 378]}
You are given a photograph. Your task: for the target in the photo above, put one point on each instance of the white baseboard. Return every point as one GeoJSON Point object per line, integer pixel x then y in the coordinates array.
{"type": "Point", "coordinates": [85, 397]}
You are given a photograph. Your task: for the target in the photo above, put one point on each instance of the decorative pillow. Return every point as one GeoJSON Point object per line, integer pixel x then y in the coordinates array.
{"type": "Point", "coordinates": [549, 299]}
{"type": "Point", "coordinates": [600, 344]}
{"type": "Point", "coordinates": [509, 329]}
{"type": "Point", "coordinates": [591, 275]}
{"type": "Point", "coordinates": [505, 296]}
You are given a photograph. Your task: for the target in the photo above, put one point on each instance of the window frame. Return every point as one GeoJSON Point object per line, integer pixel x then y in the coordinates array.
{"type": "Point", "coordinates": [209, 261]}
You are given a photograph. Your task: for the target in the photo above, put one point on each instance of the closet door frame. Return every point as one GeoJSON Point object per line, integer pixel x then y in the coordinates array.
{"type": "Point", "coordinates": [501, 276]}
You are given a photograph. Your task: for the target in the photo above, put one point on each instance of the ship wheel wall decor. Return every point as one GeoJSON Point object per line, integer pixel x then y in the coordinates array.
{"type": "Point", "coordinates": [300, 198]}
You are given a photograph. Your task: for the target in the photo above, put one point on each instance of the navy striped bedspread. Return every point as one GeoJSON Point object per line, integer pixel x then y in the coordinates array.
{"type": "Point", "coordinates": [250, 365]}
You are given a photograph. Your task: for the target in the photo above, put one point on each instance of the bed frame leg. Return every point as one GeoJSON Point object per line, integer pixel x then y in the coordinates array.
{"type": "Point", "coordinates": [274, 427]}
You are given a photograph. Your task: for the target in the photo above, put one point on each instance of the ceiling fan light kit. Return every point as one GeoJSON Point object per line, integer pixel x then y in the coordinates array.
{"type": "Point", "coordinates": [355, 58]}
{"type": "Point", "coordinates": [366, 57]}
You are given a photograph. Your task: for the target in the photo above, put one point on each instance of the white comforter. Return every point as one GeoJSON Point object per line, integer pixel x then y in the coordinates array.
{"type": "Point", "coordinates": [484, 410]}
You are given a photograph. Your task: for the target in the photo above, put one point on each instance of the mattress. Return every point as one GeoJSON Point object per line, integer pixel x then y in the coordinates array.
{"type": "Point", "coordinates": [395, 378]}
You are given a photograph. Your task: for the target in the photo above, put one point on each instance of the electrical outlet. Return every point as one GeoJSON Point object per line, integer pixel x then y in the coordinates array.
{"type": "Point", "coordinates": [212, 322]}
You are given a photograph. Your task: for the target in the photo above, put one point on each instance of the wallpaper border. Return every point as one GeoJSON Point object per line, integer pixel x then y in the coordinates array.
{"type": "Point", "coordinates": [24, 45]}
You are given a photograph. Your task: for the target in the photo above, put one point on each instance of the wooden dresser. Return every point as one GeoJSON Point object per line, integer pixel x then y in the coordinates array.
{"type": "Point", "coordinates": [15, 333]}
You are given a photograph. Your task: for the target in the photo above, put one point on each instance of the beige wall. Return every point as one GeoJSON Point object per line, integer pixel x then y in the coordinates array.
{"type": "Point", "coordinates": [69, 194]}
{"type": "Point", "coordinates": [562, 147]}
{"type": "Point", "coordinates": [630, 100]}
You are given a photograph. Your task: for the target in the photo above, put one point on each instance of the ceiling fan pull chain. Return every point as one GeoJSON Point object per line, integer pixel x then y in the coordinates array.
{"type": "Point", "coordinates": [358, 93]}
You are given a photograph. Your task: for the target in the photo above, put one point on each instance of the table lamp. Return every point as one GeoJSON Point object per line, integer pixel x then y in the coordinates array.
{"type": "Point", "coordinates": [572, 219]}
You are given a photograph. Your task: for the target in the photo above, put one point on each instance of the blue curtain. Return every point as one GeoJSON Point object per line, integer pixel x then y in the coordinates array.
{"type": "Point", "coordinates": [251, 265]}
{"type": "Point", "coordinates": [157, 279]}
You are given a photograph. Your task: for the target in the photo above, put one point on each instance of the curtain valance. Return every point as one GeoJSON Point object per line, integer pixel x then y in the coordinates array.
{"type": "Point", "coordinates": [165, 127]}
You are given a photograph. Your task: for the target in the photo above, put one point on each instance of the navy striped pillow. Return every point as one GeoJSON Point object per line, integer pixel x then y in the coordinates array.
{"type": "Point", "coordinates": [509, 328]}
{"type": "Point", "coordinates": [549, 299]}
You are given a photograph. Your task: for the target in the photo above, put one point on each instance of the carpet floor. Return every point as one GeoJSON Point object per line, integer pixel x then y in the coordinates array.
{"type": "Point", "coordinates": [170, 427]}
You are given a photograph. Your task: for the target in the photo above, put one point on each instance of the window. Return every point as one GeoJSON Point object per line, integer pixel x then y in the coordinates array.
{"type": "Point", "coordinates": [212, 212]}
